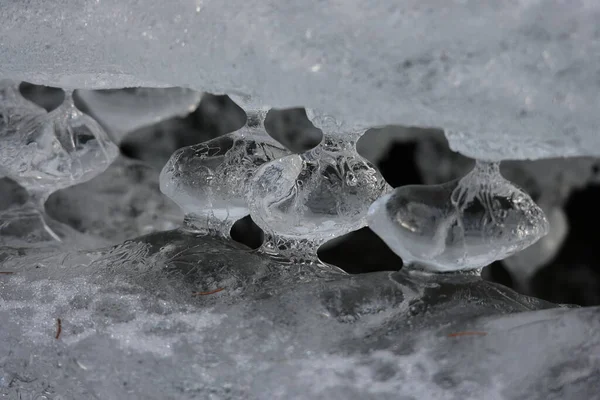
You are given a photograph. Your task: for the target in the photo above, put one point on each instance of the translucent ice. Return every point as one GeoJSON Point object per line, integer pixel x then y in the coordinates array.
{"type": "Point", "coordinates": [135, 326]}
{"type": "Point", "coordinates": [526, 88]}
{"type": "Point", "coordinates": [303, 200]}
{"type": "Point", "coordinates": [124, 111]}
{"type": "Point", "coordinates": [209, 180]}
{"type": "Point", "coordinates": [45, 152]}
{"type": "Point", "coordinates": [523, 265]}
{"type": "Point", "coordinates": [460, 225]}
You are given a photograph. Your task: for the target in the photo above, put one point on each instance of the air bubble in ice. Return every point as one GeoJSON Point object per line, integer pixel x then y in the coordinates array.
{"type": "Point", "coordinates": [303, 200]}
{"type": "Point", "coordinates": [460, 225]}
{"type": "Point", "coordinates": [208, 180]}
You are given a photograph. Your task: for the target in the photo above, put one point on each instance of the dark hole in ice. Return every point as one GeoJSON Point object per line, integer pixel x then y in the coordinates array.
{"type": "Point", "coordinates": [359, 252]}
{"type": "Point", "coordinates": [44, 96]}
{"type": "Point", "coordinates": [246, 232]}
{"type": "Point", "coordinates": [574, 275]}
{"type": "Point", "coordinates": [292, 128]}
{"type": "Point", "coordinates": [496, 272]}
{"type": "Point", "coordinates": [395, 150]}
{"type": "Point", "coordinates": [11, 194]}
{"type": "Point", "coordinates": [398, 165]}
{"type": "Point", "coordinates": [214, 117]}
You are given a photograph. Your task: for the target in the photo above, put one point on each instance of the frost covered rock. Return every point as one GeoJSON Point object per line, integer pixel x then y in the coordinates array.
{"type": "Point", "coordinates": [506, 80]}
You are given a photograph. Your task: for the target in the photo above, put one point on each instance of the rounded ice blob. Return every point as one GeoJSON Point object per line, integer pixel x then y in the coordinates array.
{"type": "Point", "coordinates": [209, 180]}
{"type": "Point", "coordinates": [303, 200]}
{"type": "Point", "coordinates": [460, 225]}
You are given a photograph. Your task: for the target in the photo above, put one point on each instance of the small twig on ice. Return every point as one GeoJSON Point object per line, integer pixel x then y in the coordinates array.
{"type": "Point", "coordinates": [207, 293]}
{"type": "Point", "coordinates": [6, 272]}
{"type": "Point", "coordinates": [474, 333]}
{"type": "Point", "coordinates": [58, 328]}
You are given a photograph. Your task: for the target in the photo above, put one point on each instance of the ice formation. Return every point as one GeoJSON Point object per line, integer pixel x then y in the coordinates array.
{"type": "Point", "coordinates": [209, 180]}
{"type": "Point", "coordinates": [512, 80]}
{"type": "Point", "coordinates": [124, 111]}
{"type": "Point", "coordinates": [45, 152]}
{"type": "Point", "coordinates": [185, 315]}
{"type": "Point", "coordinates": [131, 327]}
{"type": "Point", "coordinates": [303, 200]}
{"type": "Point", "coordinates": [460, 225]}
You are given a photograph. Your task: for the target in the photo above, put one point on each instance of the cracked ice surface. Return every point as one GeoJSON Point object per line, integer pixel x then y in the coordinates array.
{"type": "Point", "coordinates": [506, 80]}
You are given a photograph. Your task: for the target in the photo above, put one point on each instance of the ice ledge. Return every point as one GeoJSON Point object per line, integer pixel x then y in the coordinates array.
{"type": "Point", "coordinates": [515, 80]}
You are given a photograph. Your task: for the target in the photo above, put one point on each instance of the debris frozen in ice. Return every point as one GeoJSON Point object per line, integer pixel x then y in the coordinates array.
{"type": "Point", "coordinates": [209, 180]}
{"type": "Point", "coordinates": [126, 110]}
{"type": "Point", "coordinates": [303, 200]}
{"type": "Point", "coordinates": [460, 225]}
{"type": "Point", "coordinates": [45, 152]}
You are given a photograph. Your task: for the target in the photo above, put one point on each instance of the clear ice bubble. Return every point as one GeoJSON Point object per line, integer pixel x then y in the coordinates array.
{"type": "Point", "coordinates": [461, 225]}
{"type": "Point", "coordinates": [209, 180]}
{"type": "Point", "coordinates": [45, 152]}
{"type": "Point", "coordinates": [303, 200]}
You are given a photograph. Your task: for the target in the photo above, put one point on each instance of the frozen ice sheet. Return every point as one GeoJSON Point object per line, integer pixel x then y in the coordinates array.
{"type": "Point", "coordinates": [506, 80]}
{"type": "Point", "coordinates": [132, 328]}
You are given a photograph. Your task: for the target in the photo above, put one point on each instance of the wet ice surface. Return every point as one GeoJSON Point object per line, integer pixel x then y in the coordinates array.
{"type": "Point", "coordinates": [525, 88]}
{"type": "Point", "coordinates": [131, 327]}
{"type": "Point", "coordinates": [460, 225]}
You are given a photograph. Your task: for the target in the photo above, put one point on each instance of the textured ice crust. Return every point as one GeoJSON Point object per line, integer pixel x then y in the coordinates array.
{"type": "Point", "coordinates": [512, 80]}
{"type": "Point", "coordinates": [131, 327]}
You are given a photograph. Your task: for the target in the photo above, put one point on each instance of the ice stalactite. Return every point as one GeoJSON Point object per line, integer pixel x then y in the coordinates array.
{"type": "Point", "coordinates": [303, 200]}
{"type": "Point", "coordinates": [464, 224]}
{"type": "Point", "coordinates": [209, 180]}
{"type": "Point", "coordinates": [45, 152]}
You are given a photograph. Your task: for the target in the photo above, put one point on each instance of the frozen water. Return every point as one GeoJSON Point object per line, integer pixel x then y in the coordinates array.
{"type": "Point", "coordinates": [47, 151]}
{"type": "Point", "coordinates": [524, 264]}
{"type": "Point", "coordinates": [124, 111]}
{"type": "Point", "coordinates": [44, 152]}
{"type": "Point", "coordinates": [131, 327]}
{"type": "Point", "coordinates": [293, 129]}
{"type": "Point", "coordinates": [460, 225]}
{"type": "Point", "coordinates": [512, 80]}
{"type": "Point", "coordinates": [209, 180]}
{"type": "Point", "coordinates": [121, 203]}
{"type": "Point", "coordinates": [303, 200]}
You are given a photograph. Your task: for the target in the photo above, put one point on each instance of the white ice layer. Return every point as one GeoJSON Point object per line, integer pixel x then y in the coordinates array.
{"type": "Point", "coordinates": [507, 80]}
